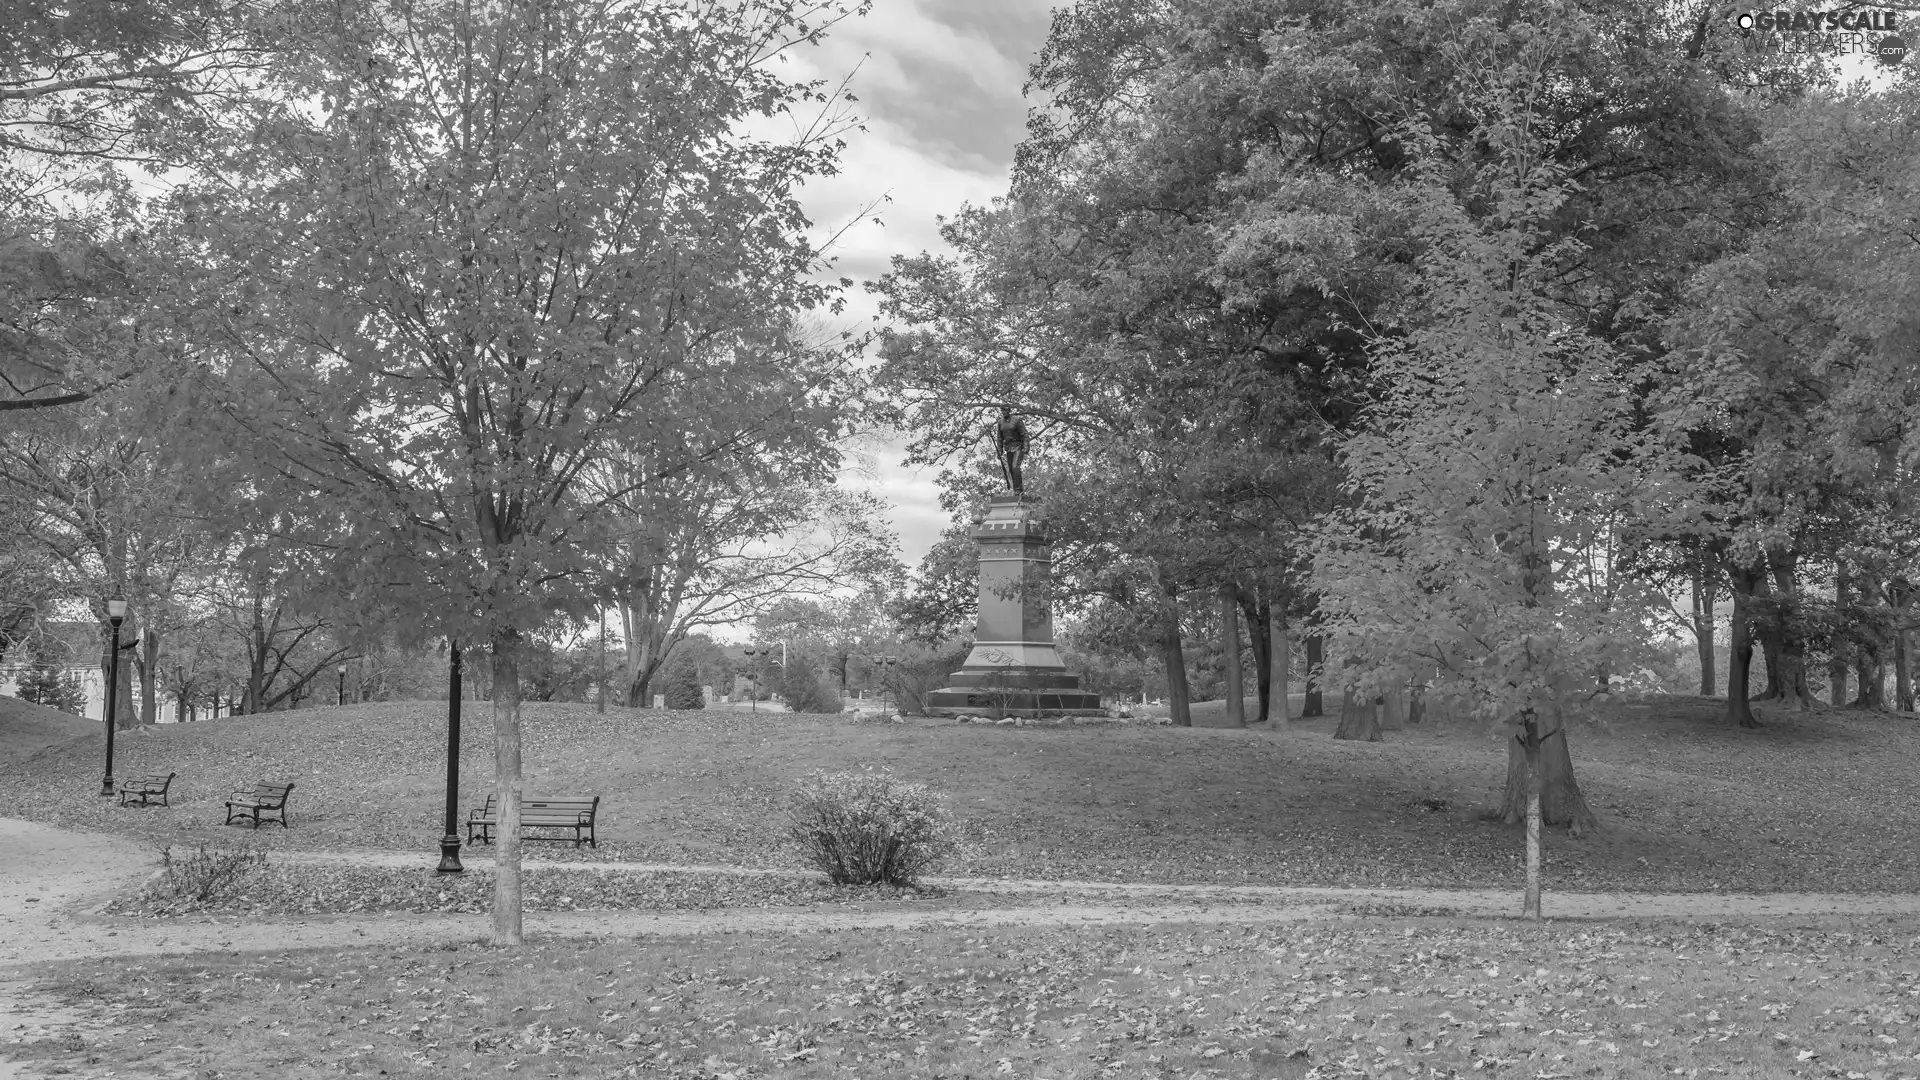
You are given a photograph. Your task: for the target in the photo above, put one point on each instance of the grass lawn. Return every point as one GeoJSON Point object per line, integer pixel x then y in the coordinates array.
{"type": "Point", "coordinates": [26, 728]}
{"type": "Point", "coordinates": [1808, 802]}
{"type": "Point", "coordinates": [1381, 998]}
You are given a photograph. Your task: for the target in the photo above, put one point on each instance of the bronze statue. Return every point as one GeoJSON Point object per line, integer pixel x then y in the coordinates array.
{"type": "Point", "coordinates": [1010, 437]}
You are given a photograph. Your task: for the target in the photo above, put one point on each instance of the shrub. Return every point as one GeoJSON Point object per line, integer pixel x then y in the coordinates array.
{"type": "Point", "coordinates": [204, 874]}
{"type": "Point", "coordinates": [867, 828]}
{"type": "Point", "coordinates": [801, 690]}
{"type": "Point", "coordinates": [682, 685]}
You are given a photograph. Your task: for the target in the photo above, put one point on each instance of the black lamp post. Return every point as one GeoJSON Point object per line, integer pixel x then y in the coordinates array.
{"type": "Point", "coordinates": [116, 611]}
{"type": "Point", "coordinates": [885, 664]}
{"type": "Point", "coordinates": [450, 841]}
{"type": "Point", "coordinates": [340, 696]}
{"type": "Point", "coordinates": [753, 674]}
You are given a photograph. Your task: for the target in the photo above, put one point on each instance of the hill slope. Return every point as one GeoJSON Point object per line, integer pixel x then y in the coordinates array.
{"type": "Point", "coordinates": [26, 728]}
{"type": "Point", "coordinates": [1805, 803]}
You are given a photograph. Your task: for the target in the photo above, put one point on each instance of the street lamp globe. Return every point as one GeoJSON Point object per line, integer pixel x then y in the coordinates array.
{"type": "Point", "coordinates": [116, 608]}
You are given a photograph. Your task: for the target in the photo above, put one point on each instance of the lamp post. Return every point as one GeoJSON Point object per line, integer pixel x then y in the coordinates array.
{"type": "Point", "coordinates": [885, 664]}
{"type": "Point", "coordinates": [340, 695]}
{"type": "Point", "coordinates": [116, 611]}
{"type": "Point", "coordinates": [602, 704]}
{"type": "Point", "coordinates": [753, 676]}
{"type": "Point", "coordinates": [450, 841]}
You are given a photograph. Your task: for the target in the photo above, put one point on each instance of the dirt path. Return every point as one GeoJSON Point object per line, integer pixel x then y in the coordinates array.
{"type": "Point", "coordinates": [53, 883]}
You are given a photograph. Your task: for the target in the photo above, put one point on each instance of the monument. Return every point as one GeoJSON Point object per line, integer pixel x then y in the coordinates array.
{"type": "Point", "coordinates": [1014, 668]}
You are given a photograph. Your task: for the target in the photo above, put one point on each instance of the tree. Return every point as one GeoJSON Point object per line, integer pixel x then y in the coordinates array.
{"type": "Point", "coordinates": [1502, 451]}
{"type": "Point", "coordinates": [100, 510]}
{"type": "Point", "coordinates": [85, 87]}
{"type": "Point", "coordinates": [89, 80]}
{"type": "Point", "coordinates": [449, 260]}
{"type": "Point", "coordinates": [801, 689]}
{"type": "Point", "coordinates": [683, 686]}
{"type": "Point", "coordinates": [942, 596]}
{"type": "Point", "coordinates": [42, 683]}
{"type": "Point", "coordinates": [1796, 352]}
{"type": "Point", "coordinates": [722, 544]}
{"type": "Point", "coordinates": [838, 627]}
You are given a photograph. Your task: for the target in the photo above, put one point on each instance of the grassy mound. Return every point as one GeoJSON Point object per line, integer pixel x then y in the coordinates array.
{"type": "Point", "coordinates": [26, 728]}
{"type": "Point", "coordinates": [1806, 803]}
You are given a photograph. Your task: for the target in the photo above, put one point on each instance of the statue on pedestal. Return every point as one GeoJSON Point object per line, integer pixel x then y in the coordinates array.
{"type": "Point", "coordinates": [1010, 438]}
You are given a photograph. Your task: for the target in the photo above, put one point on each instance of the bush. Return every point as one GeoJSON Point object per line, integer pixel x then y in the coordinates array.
{"type": "Point", "coordinates": [867, 828]}
{"type": "Point", "coordinates": [682, 686]}
{"type": "Point", "coordinates": [206, 873]}
{"type": "Point", "coordinates": [801, 690]}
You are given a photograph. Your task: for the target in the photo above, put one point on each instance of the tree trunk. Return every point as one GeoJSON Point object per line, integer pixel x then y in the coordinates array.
{"type": "Point", "coordinates": [1177, 705]}
{"type": "Point", "coordinates": [1530, 748]}
{"type": "Point", "coordinates": [123, 714]}
{"type": "Point", "coordinates": [640, 691]}
{"type": "Point", "coordinates": [1316, 660]}
{"type": "Point", "coordinates": [1900, 596]}
{"type": "Point", "coordinates": [148, 661]}
{"type": "Point", "coordinates": [1416, 703]}
{"type": "Point", "coordinates": [1791, 643]}
{"type": "Point", "coordinates": [1230, 650]}
{"type": "Point", "coordinates": [643, 641]}
{"type": "Point", "coordinates": [1703, 594]}
{"type": "Point", "coordinates": [180, 700]}
{"type": "Point", "coordinates": [1393, 709]}
{"type": "Point", "coordinates": [1282, 660]}
{"type": "Point", "coordinates": [507, 785]}
{"type": "Point", "coordinates": [1837, 648]}
{"type": "Point", "coordinates": [1260, 636]}
{"type": "Point", "coordinates": [1561, 801]}
{"type": "Point", "coordinates": [257, 668]}
{"type": "Point", "coordinates": [1873, 679]}
{"type": "Point", "coordinates": [1902, 682]}
{"type": "Point", "coordinates": [1870, 650]}
{"type": "Point", "coordinates": [1740, 648]}
{"type": "Point", "coordinates": [1359, 719]}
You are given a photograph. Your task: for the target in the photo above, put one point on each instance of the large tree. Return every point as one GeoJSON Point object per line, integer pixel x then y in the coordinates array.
{"type": "Point", "coordinates": [1795, 360]}
{"type": "Point", "coordinates": [450, 258]}
{"type": "Point", "coordinates": [86, 89]}
{"type": "Point", "coordinates": [1502, 455]}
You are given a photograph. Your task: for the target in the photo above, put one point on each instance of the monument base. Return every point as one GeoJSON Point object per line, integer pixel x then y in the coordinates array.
{"type": "Point", "coordinates": [974, 701]}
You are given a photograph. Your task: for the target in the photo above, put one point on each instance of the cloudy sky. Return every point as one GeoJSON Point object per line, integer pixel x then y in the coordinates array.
{"type": "Point", "coordinates": [938, 83]}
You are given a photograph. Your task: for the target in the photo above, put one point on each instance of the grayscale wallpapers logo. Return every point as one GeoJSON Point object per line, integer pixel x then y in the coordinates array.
{"type": "Point", "coordinates": [1864, 33]}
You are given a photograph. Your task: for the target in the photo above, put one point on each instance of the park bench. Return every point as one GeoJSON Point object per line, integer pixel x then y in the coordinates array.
{"type": "Point", "coordinates": [262, 798]}
{"type": "Point", "coordinates": [150, 786]}
{"type": "Point", "coordinates": [576, 812]}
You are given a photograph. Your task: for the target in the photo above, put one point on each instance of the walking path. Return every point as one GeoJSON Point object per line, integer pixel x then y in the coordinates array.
{"type": "Point", "coordinates": [53, 883]}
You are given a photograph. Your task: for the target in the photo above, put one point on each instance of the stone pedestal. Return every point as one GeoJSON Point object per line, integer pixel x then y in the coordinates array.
{"type": "Point", "coordinates": [1014, 668]}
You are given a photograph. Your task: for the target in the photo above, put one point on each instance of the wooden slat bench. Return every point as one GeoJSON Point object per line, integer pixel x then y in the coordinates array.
{"type": "Point", "coordinates": [262, 798]}
{"type": "Point", "coordinates": [576, 812]}
{"type": "Point", "coordinates": [150, 786]}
